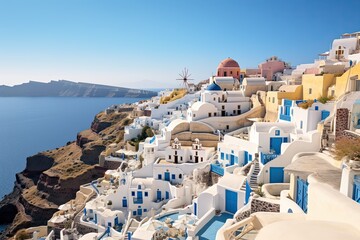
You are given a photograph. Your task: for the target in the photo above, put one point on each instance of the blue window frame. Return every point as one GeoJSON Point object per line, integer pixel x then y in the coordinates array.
{"type": "Point", "coordinates": [134, 213]}
{"type": "Point", "coordinates": [222, 155]}
{"type": "Point", "coordinates": [132, 193]}
{"type": "Point", "coordinates": [145, 210]}
{"type": "Point", "coordinates": [173, 176]}
{"type": "Point", "coordinates": [285, 139]}
{"type": "Point", "coordinates": [277, 132]}
{"type": "Point", "coordinates": [146, 194]}
{"type": "Point", "coordinates": [159, 176]}
{"type": "Point", "coordinates": [139, 186]}
{"type": "Point", "coordinates": [227, 156]}
{"type": "Point", "coordinates": [316, 108]}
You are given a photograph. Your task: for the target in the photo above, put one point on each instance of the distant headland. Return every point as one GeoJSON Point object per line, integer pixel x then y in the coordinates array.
{"type": "Point", "coordinates": [64, 88]}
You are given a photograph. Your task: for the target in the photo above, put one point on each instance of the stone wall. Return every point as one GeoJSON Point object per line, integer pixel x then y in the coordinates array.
{"type": "Point", "coordinates": [342, 120]}
{"type": "Point", "coordinates": [243, 215]}
{"type": "Point", "coordinates": [351, 135]}
{"type": "Point", "coordinates": [261, 205]}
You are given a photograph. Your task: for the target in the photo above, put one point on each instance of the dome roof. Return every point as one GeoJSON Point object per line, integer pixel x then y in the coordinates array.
{"type": "Point", "coordinates": [229, 62]}
{"type": "Point", "coordinates": [213, 87]}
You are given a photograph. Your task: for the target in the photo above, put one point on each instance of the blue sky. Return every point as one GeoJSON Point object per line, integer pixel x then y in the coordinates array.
{"type": "Point", "coordinates": [147, 43]}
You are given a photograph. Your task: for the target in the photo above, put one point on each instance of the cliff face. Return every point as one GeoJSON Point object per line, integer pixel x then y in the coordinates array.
{"type": "Point", "coordinates": [64, 88]}
{"type": "Point", "coordinates": [53, 177]}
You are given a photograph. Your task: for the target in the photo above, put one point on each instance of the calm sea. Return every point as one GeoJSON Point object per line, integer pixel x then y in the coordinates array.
{"type": "Point", "coordinates": [32, 125]}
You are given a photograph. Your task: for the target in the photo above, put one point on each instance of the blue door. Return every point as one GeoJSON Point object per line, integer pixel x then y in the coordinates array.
{"type": "Point", "coordinates": [250, 157]}
{"type": "Point", "coordinates": [230, 201]}
{"type": "Point", "coordinates": [248, 190]}
{"type": "Point", "coordinates": [167, 176]}
{"type": "Point", "coordinates": [324, 114]}
{"type": "Point", "coordinates": [95, 218]}
{"type": "Point", "coordinates": [139, 211]}
{"type": "Point", "coordinates": [275, 144]}
{"type": "Point", "coordinates": [356, 193]}
{"type": "Point", "coordinates": [116, 221]}
{"type": "Point", "coordinates": [124, 202]}
{"type": "Point", "coordinates": [139, 197]}
{"type": "Point", "coordinates": [158, 194]}
{"type": "Point", "coordinates": [167, 195]}
{"type": "Point", "coordinates": [246, 157]}
{"type": "Point", "coordinates": [195, 208]}
{"type": "Point", "coordinates": [302, 194]}
{"type": "Point", "coordinates": [276, 174]}
{"type": "Point", "coordinates": [232, 160]}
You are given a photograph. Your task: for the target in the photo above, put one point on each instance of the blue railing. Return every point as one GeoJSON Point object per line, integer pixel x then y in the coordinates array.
{"type": "Point", "coordinates": [105, 234]}
{"type": "Point", "coordinates": [267, 157]}
{"type": "Point", "coordinates": [94, 186]}
{"type": "Point", "coordinates": [138, 200]}
{"type": "Point", "coordinates": [217, 169]}
{"type": "Point", "coordinates": [285, 117]}
{"type": "Point", "coordinates": [152, 139]}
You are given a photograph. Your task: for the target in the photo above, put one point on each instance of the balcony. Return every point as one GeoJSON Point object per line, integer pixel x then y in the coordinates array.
{"type": "Point", "coordinates": [217, 169]}
{"type": "Point", "coordinates": [267, 157]}
{"type": "Point", "coordinates": [138, 200]}
{"type": "Point", "coordinates": [285, 117]}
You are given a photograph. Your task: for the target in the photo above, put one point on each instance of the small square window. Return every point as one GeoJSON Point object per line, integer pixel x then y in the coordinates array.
{"type": "Point", "coordinates": [146, 194]}
{"type": "Point", "coordinates": [159, 176]}
{"type": "Point", "coordinates": [132, 193]}
{"type": "Point", "coordinates": [277, 132]}
{"type": "Point", "coordinates": [145, 210]}
{"type": "Point", "coordinates": [134, 213]}
{"type": "Point", "coordinates": [173, 176]}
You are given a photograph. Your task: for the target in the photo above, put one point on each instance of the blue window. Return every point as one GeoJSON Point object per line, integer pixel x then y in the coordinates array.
{"type": "Point", "coordinates": [172, 176]}
{"type": "Point", "coordinates": [222, 155]}
{"type": "Point", "coordinates": [285, 139]}
{"type": "Point", "coordinates": [277, 132]}
{"type": "Point", "coordinates": [232, 151]}
{"type": "Point", "coordinates": [146, 194]}
{"type": "Point", "coordinates": [134, 213]}
{"type": "Point", "coordinates": [316, 108]}
{"type": "Point", "coordinates": [227, 156]}
{"type": "Point", "coordinates": [145, 210]}
{"type": "Point", "coordinates": [132, 193]}
{"type": "Point", "coordinates": [139, 186]}
{"type": "Point", "coordinates": [159, 176]}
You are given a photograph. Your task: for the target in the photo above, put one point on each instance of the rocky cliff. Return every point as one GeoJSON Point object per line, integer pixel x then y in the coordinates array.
{"type": "Point", "coordinates": [53, 177]}
{"type": "Point", "coordinates": [64, 88]}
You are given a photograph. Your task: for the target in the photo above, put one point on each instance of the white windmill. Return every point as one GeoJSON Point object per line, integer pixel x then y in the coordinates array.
{"type": "Point", "coordinates": [185, 77]}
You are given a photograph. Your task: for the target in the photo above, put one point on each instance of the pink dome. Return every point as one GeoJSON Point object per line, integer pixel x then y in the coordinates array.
{"type": "Point", "coordinates": [229, 62]}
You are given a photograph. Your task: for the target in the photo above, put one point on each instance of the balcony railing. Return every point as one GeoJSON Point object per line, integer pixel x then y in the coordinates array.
{"type": "Point", "coordinates": [267, 157]}
{"type": "Point", "coordinates": [138, 200]}
{"type": "Point", "coordinates": [217, 169]}
{"type": "Point", "coordinates": [285, 117]}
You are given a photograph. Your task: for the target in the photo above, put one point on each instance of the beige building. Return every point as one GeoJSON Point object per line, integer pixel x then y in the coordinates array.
{"type": "Point", "coordinates": [274, 99]}
{"type": "Point", "coordinates": [315, 86]}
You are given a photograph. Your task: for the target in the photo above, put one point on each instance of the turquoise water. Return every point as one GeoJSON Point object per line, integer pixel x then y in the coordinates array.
{"type": "Point", "coordinates": [208, 232]}
{"type": "Point", "coordinates": [173, 216]}
{"type": "Point", "coordinates": [32, 125]}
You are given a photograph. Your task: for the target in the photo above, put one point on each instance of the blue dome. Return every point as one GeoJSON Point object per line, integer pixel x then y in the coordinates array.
{"type": "Point", "coordinates": [213, 87]}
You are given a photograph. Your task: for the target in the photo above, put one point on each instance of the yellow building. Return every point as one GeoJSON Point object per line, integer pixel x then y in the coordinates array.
{"type": "Point", "coordinates": [315, 86]}
{"type": "Point", "coordinates": [348, 82]}
{"type": "Point", "coordinates": [274, 99]}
